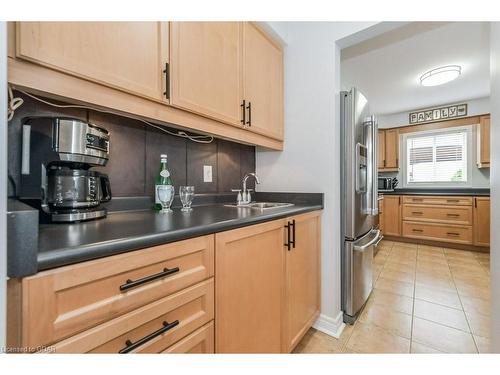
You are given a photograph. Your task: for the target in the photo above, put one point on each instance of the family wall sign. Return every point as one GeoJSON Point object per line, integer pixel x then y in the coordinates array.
{"type": "Point", "coordinates": [438, 114]}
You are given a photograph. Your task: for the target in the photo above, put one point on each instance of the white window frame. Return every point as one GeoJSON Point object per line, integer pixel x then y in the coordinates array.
{"type": "Point", "coordinates": [452, 184]}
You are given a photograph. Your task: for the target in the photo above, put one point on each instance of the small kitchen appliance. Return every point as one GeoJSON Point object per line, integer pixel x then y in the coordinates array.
{"type": "Point", "coordinates": [387, 184]}
{"type": "Point", "coordinates": [71, 191]}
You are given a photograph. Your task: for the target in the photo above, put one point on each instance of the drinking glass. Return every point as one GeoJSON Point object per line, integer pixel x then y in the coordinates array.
{"type": "Point", "coordinates": [165, 196]}
{"type": "Point", "coordinates": [187, 194]}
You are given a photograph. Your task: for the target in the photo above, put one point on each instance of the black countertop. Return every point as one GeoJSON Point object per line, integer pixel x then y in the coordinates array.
{"type": "Point", "coordinates": [122, 231]}
{"type": "Point", "coordinates": [457, 192]}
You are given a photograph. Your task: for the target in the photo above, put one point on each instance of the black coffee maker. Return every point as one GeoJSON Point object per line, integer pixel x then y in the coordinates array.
{"type": "Point", "coordinates": [71, 191]}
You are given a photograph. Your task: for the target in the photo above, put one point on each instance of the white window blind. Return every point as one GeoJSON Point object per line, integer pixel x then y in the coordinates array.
{"type": "Point", "coordinates": [440, 157]}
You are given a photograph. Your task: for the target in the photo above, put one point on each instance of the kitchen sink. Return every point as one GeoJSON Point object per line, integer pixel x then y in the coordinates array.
{"type": "Point", "coordinates": [261, 205]}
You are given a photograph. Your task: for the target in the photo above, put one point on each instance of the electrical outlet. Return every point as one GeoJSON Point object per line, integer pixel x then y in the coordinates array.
{"type": "Point", "coordinates": [207, 173]}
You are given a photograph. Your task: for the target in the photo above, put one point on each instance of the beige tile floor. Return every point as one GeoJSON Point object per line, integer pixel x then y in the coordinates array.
{"type": "Point", "coordinates": [426, 299]}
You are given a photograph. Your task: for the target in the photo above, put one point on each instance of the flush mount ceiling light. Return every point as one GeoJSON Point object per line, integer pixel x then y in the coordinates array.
{"type": "Point", "coordinates": [441, 75]}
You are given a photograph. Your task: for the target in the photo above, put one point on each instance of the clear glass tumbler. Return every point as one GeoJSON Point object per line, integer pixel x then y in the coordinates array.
{"type": "Point", "coordinates": [186, 194]}
{"type": "Point", "coordinates": [165, 196]}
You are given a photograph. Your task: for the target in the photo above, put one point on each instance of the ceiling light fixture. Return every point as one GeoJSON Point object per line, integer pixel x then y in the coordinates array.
{"type": "Point", "coordinates": [441, 75]}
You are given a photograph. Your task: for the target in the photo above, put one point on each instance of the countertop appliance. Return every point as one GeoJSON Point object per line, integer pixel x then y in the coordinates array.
{"type": "Point", "coordinates": [70, 190]}
{"type": "Point", "coordinates": [359, 189]}
{"type": "Point", "coordinates": [386, 184]}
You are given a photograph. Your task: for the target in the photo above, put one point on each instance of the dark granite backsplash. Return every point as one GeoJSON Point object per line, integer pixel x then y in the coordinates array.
{"type": "Point", "coordinates": [135, 150]}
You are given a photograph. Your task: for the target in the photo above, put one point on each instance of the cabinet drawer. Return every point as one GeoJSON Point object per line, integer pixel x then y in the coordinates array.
{"type": "Point", "coordinates": [438, 232]}
{"type": "Point", "coordinates": [198, 342]}
{"type": "Point", "coordinates": [440, 214]}
{"type": "Point", "coordinates": [443, 200]}
{"type": "Point", "coordinates": [184, 312]}
{"type": "Point", "coordinates": [62, 302]}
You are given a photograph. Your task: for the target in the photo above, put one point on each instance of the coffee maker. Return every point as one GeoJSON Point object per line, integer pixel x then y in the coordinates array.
{"type": "Point", "coordinates": [71, 191]}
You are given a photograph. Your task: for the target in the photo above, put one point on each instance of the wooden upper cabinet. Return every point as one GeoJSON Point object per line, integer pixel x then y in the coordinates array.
{"type": "Point", "coordinates": [249, 289]}
{"type": "Point", "coordinates": [381, 149]}
{"type": "Point", "coordinates": [391, 148]}
{"type": "Point", "coordinates": [129, 56]}
{"type": "Point", "coordinates": [392, 215]}
{"type": "Point", "coordinates": [303, 277]}
{"type": "Point", "coordinates": [482, 221]}
{"type": "Point", "coordinates": [262, 82]}
{"type": "Point", "coordinates": [483, 142]}
{"type": "Point", "coordinates": [205, 66]}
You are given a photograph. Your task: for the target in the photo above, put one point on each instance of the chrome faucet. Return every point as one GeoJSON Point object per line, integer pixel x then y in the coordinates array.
{"type": "Point", "coordinates": [244, 196]}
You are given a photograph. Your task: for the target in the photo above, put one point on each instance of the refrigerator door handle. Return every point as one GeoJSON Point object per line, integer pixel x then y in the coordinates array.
{"type": "Point", "coordinates": [374, 166]}
{"type": "Point", "coordinates": [376, 239]}
{"type": "Point", "coordinates": [372, 204]}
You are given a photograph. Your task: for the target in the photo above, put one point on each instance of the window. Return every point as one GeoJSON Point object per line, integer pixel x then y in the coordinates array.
{"type": "Point", "coordinates": [438, 157]}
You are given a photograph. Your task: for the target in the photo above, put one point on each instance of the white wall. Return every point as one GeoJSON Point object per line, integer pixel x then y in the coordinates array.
{"type": "Point", "coordinates": [310, 161]}
{"type": "Point", "coordinates": [3, 180]}
{"type": "Point", "coordinates": [495, 183]}
{"type": "Point", "coordinates": [477, 106]}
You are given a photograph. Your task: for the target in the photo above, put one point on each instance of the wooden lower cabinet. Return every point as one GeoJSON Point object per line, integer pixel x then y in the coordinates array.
{"type": "Point", "coordinates": [438, 232]}
{"type": "Point", "coordinates": [61, 302]}
{"type": "Point", "coordinates": [165, 299]}
{"type": "Point", "coordinates": [177, 315]}
{"type": "Point", "coordinates": [392, 215]}
{"type": "Point", "coordinates": [482, 221]}
{"type": "Point", "coordinates": [249, 289]}
{"type": "Point", "coordinates": [442, 200]}
{"type": "Point", "coordinates": [460, 220]}
{"type": "Point", "coordinates": [302, 278]}
{"type": "Point", "coordinates": [200, 341]}
{"type": "Point", "coordinates": [439, 214]}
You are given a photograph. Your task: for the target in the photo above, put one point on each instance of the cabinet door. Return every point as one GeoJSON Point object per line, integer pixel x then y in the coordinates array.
{"type": "Point", "coordinates": [249, 289]}
{"type": "Point", "coordinates": [484, 142]}
{"type": "Point", "coordinates": [392, 148]}
{"type": "Point", "coordinates": [262, 82]}
{"type": "Point", "coordinates": [482, 221]}
{"type": "Point", "coordinates": [392, 215]}
{"type": "Point", "coordinates": [381, 149]}
{"type": "Point", "coordinates": [129, 56]}
{"type": "Point", "coordinates": [206, 69]}
{"type": "Point", "coordinates": [302, 278]}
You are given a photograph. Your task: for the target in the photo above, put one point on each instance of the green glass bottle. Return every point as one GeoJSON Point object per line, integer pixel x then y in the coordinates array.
{"type": "Point", "coordinates": [162, 178]}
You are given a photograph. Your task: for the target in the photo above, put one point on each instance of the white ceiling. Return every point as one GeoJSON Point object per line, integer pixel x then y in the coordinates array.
{"type": "Point", "coordinates": [387, 68]}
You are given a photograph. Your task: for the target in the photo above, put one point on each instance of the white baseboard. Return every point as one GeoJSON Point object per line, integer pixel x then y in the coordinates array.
{"type": "Point", "coordinates": [331, 326]}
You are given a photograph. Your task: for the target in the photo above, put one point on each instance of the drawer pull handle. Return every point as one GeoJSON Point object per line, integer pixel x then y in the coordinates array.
{"type": "Point", "coordinates": [452, 200]}
{"type": "Point", "coordinates": [417, 230]}
{"type": "Point", "coordinates": [133, 345]}
{"type": "Point", "coordinates": [133, 283]}
{"type": "Point", "coordinates": [417, 199]}
{"type": "Point", "coordinates": [453, 215]}
{"type": "Point", "coordinates": [417, 212]}
{"type": "Point", "coordinates": [452, 234]}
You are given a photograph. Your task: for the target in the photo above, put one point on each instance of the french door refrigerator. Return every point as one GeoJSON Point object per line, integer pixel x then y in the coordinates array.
{"type": "Point", "coordinates": [359, 201]}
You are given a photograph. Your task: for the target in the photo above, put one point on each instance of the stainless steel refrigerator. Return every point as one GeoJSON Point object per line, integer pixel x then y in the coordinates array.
{"type": "Point", "coordinates": [359, 195]}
